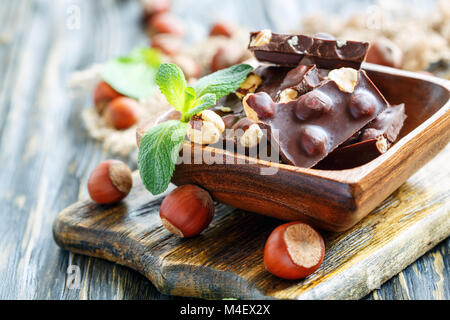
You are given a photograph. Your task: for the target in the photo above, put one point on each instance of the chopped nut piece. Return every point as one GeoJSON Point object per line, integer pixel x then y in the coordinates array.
{"type": "Point", "coordinates": [345, 78]}
{"type": "Point", "coordinates": [262, 38]}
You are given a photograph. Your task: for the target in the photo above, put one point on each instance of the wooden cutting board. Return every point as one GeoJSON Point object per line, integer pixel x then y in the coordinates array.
{"type": "Point", "coordinates": [226, 261]}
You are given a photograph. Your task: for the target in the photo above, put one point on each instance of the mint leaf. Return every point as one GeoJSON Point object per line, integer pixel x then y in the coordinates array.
{"type": "Point", "coordinates": [223, 81]}
{"type": "Point", "coordinates": [172, 83]}
{"type": "Point", "coordinates": [158, 154]}
{"type": "Point", "coordinates": [133, 75]}
{"type": "Point", "coordinates": [204, 102]}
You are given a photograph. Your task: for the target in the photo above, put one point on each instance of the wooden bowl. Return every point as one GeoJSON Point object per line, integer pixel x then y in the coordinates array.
{"type": "Point", "coordinates": [332, 200]}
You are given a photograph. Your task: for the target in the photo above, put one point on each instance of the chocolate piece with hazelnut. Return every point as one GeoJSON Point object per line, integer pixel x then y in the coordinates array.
{"type": "Point", "coordinates": [110, 182]}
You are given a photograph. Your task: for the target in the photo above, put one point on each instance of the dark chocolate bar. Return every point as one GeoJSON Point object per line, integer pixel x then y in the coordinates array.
{"type": "Point", "coordinates": [312, 126]}
{"type": "Point", "coordinates": [292, 50]}
{"type": "Point", "coordinates": [354, 155]}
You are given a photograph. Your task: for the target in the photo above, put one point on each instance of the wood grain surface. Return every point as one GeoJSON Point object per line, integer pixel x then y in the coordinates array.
{"type": "Point", "coordinates": [46, 155]}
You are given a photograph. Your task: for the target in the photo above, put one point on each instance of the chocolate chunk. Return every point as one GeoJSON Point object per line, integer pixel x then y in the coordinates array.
{"type": "Point", "coordinates": [354, 155]}
{"type": "Point", "coordinates": [311, 127]}
{"type": "Point", "coordinates": [388, 124]}
{"type": "Point", "coordinates": [292, 50]}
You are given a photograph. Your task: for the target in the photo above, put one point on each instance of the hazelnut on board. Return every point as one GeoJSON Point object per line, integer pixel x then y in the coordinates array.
{"type": "Point", "coordinates": [383, 51]}
{"type": "Point", "coordinates": [110, 182]}
{"type": "Point", "coordinates": [122, 113]}
{"type": "Point", "coordinates": [166, 23]}
{"type": "Point", "coordinates": [293, 251]}
{"type": "Point", "coordinates": [103, 94]}
{"type": "Point", "coordinates": [345, 78]}
{"type": "Point", "coordinates": [205, 128]}
{"type": "Point", "coordinates": [187, 211]}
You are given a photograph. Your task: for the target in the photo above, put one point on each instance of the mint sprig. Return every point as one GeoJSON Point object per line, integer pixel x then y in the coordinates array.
{"type": "Point", "coordinates": [133, 75]}
{"type": "Point", "coordinates": [160, 146]}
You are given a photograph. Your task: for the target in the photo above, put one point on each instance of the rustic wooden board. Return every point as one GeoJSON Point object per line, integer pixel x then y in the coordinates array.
{"type": "Point", "coordinates": [226, 260]}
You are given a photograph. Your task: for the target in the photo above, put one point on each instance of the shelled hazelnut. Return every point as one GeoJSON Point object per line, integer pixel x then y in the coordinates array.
{"type": "Point", "coordinates": [250, 85]}
{"type": "Point", "coordinates": [103, 94]}
{"type": "Point", "coordinates": [122, 113]}
{"type": "Point", "coordinates": [384, 52]}
{"type": "Point", "coordinates": [110, 182]}
{"type": "Point", "coordinates": [222, 28]}
{"type": "Point", "coordinates": [168, 44]}
{"type": "Point", "coordinates": [205, 128]}
{"type": "Point", "coordinates": [166, 23]}
{"type": "Point", "coordinates": [187, 211]}
{"type": "Point", "coordinates": [293, 251]}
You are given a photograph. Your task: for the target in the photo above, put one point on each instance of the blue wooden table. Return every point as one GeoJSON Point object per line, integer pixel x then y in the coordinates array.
{"type": "Point", "coordinates": [46, 155]}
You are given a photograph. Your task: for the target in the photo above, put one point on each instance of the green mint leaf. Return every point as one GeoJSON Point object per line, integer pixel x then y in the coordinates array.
{"type": "Point", "coordinates": [204, 102]}
{"type": "Point", "coordinates": [172, 83]}
{"type": "Point", "coordinates": [223, 81]}
{"type": "Point", "coordinates": [133, 75]}
{"type": "Point", "coordinates": [158, 153]}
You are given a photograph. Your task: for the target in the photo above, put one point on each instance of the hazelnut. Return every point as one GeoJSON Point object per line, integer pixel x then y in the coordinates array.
{"type": "Point", "coordinates": [288, 95]}
{"type": "Point", "coordinates": [190, 67]}
{"type": "Point", "coordinates": [167, 43]}
{"type": "Point", "coordinates": [103, 94]}
{"type": "Point", "coordinates": [312, 104]}
{"type": "Point", "coordinates": [224, 29]}
{"type": "Point", "coordinates": [252, 136]}
{"type": "Point", "coordinates": [205, 128]}
{"type": "Point", "coordinates": [262, 38]}
{"type": "Point", "coordinates": [152, 7]}
{"type": "Point", "coordinates": [122, 113]}
{"type": "Point", "coordinates": [166, 23]}
{"type": "Point", "coordinates": [383, 51]}
{"type": "Point", "coordinates": [362, 105]}
{"type": "Point", "coordinates": [294, 251]}
{"type": "Point", "coordinates": [250, 85]}
{"type": "Point", "coordinates": [345, 78]}
{"type": "Point", "coordinates": [227, 56]}
{"type": "Point", "coordinates": [187, 211]}
{"type": "Point", "coordinates": [110, 182]}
